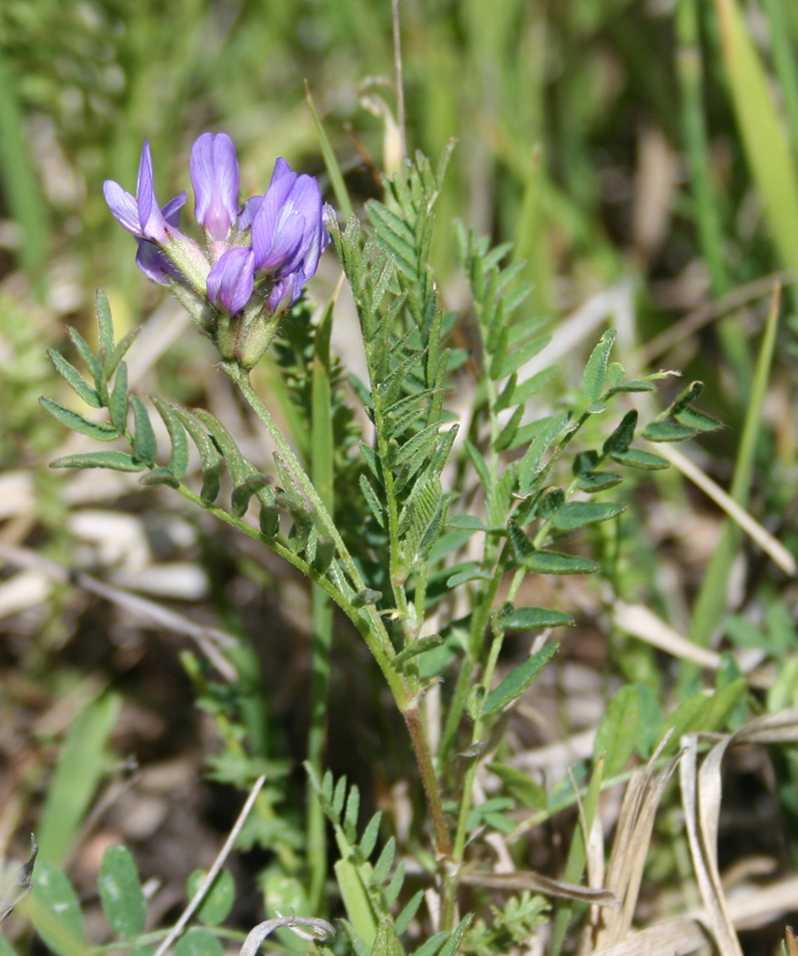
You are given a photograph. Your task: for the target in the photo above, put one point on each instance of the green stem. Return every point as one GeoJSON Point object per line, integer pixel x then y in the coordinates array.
{"type": "Point", "coordinates": [367, 620]}
{"type": "Point", "coordinates": [429, 778]}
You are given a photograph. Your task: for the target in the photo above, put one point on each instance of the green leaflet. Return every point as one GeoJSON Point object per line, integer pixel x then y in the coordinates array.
{"type": "Point", "coordinates": [518, 680]}
{"type": "Point", "coordinates": [74, 379]}
{"type": "Point", "coordinates": [668, 431]}
{"type": "Point", "coordinates": [617, 733]}
{"type": "Point", "coordinates": [532, 618]}
{"type": "Point", "coordinates": [553, 562]}
{"type": "Point", "coordinates": [120, 892]}
{"type": "Point", "coordinates": [577, 514]}
{"type": "Point", "coordinates": [635, 458]}
{"type": "Point", "coordinates": [386, 942]}
{"type": "Point", "coordinates": [596, 368]}
{"type": "Point", "coordinates": [145, 446]}
{"type": "Point", "coordinates": [55, 911]}
{"type": "Point", "coordinates": [199, 942]}
{"type": "Point", "coordinates": [97, 430]}
{"type": "Point", "coordinates": [117, 460]}
{"type": "Point", "coordinates": [218, 901]}
{"type": "Point", "coordinates": [178, 463]}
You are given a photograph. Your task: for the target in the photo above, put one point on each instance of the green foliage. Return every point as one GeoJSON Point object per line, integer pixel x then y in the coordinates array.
{"type": "Point", "coordinates": [120, 892]}
{"type": "Point", "coordinates": [81, 766]}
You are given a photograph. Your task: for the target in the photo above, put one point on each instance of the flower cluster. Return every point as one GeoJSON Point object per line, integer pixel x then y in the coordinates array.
{"type": "Point", "coordinates": [255, 258]}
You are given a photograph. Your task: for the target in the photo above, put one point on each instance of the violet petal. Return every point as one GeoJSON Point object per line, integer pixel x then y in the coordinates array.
{"type": "Point", "coordinates": [231, 279]}
{"type": "Point", "coordinates": [215, 177]}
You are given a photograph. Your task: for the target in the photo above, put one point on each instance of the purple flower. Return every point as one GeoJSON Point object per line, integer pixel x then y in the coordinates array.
{"type": "Point", "coordinates": [251, 206]}
{"type": "Point", "coordinates": [284, 293]}
{"type": "Point", "coordinates": [288, 234]}
{"type": "Point", "coordinates": [231, 279]}
{"type": "Point", "coordinates": [140, 214]}
{"type": "Point", "coordinates": [154, 263]}
{"type": "Point", "coordinates": [214, 176]}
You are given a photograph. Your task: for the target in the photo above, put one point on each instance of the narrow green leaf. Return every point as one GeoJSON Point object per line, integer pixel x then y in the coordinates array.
{"type": "Point", "coordinates": [178, 463]}
{"type": "Point", "coordinates": [325, 553]}
{"type": "Point", "coordinates": [635, 458]}
{"type": "Point", "coordinates": [686, 718]}
{"type": "Point", "coordinates": [467, 571]}
{"type": "Point", "coordinates": [532, 462]}
{"type": "Point", "coordinates": [77, 775]}
{"type": "Point", "coordinates": [218, 901]}
{"type": "Point", "coordinates": [596, 368]}
{"type": "Point", "coordinates": [117, 403]}
{"type": "Point", "coordinates": [699, 421]}
{"type": "Point", "coordinates": [120, 351]}
{"type": "Point", "coordinates": [372, 501]}
{"type": "Point", "coordinates": [528, 792]}
{"type": "Point", "coordinates": [531, 386]}
{"type": "Point", "coordinates": [456, 939]}
{"type": "Point", "coordinates": [595, 481]}
{"type": "Point", "coordinates": [240, 469]}
{"type": "Point", "coordinates": [532, 618]}
{"type": "Point", "coordinates": [470, 522]}
{"type": "Point", "coordinates": [85, 352]}
{"type": "Point", "coordinates": [339, 798]}
{"type": "Point", "coordinates": [620, 440]}
{"type": "Point", "coordinates": [577, 514]}
{"type": "Point", "coordinates": [431, 946]}
{"type": "Point", "coordinates": [479, 464]}
{"type": "Point", "coordinates": [351, 814]}
{"type": "Point", "coordinates": [762, 130]}
{"type": "Point", "coordinates": [74, 379]}
{"type": "Point", "coordinates": [552, 562]}
{"type": "Point", "coordinates": [55, 911]}
{"type": "Point", "coordinates": [394, 887]}
{"type": "Point", "coordinates": [386, 942]}
{"type": "Point", "coordinates": [356, 902]}
{"type": "Point", "coordinates": [405, 918]}
{"type": "Point", "coordinates": [23, 194]}
{"type": "Point", "coordinates": [239, 500]}
{"type": "Point", "coordinates": [722, 705]}
{"type": "Point", "coordinates": [507, 434]}
{"type": "Point", "coordinates": [117, 460]}
{"type": "Point", "coordinates": [520, 356]}
{"type": "Point", "coordinates": [105, 322]}
{"type": "Point", "coordinates": [159, 476]}
{"type": "Point", "coordinates": [617, 733]}
{"type": "Point", "coordinates": [212, 465]}
{"type": "Point", "coordinates": [633, 385]}
{"type": "Point", "coordinates": [366, 597]}
{"type": "Point", "coordinates": [97, 430]}
{"type": "Point", "coordinates": [120, 892]}
{"type": "Point", "coordinates": [383, 865]}
{"type": "Point", "coordinates": [199, 942]}
{"type": "Point", "coordinates": [369, 838]}
{"type": "Point", "coordinates": [517, 681]}
{"type": "Point", "coordinates": [417, 647]}
{"type": "Point", "coordinates": [667, 431]}
{"type": "Point", "coordinates": [145, 447]}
